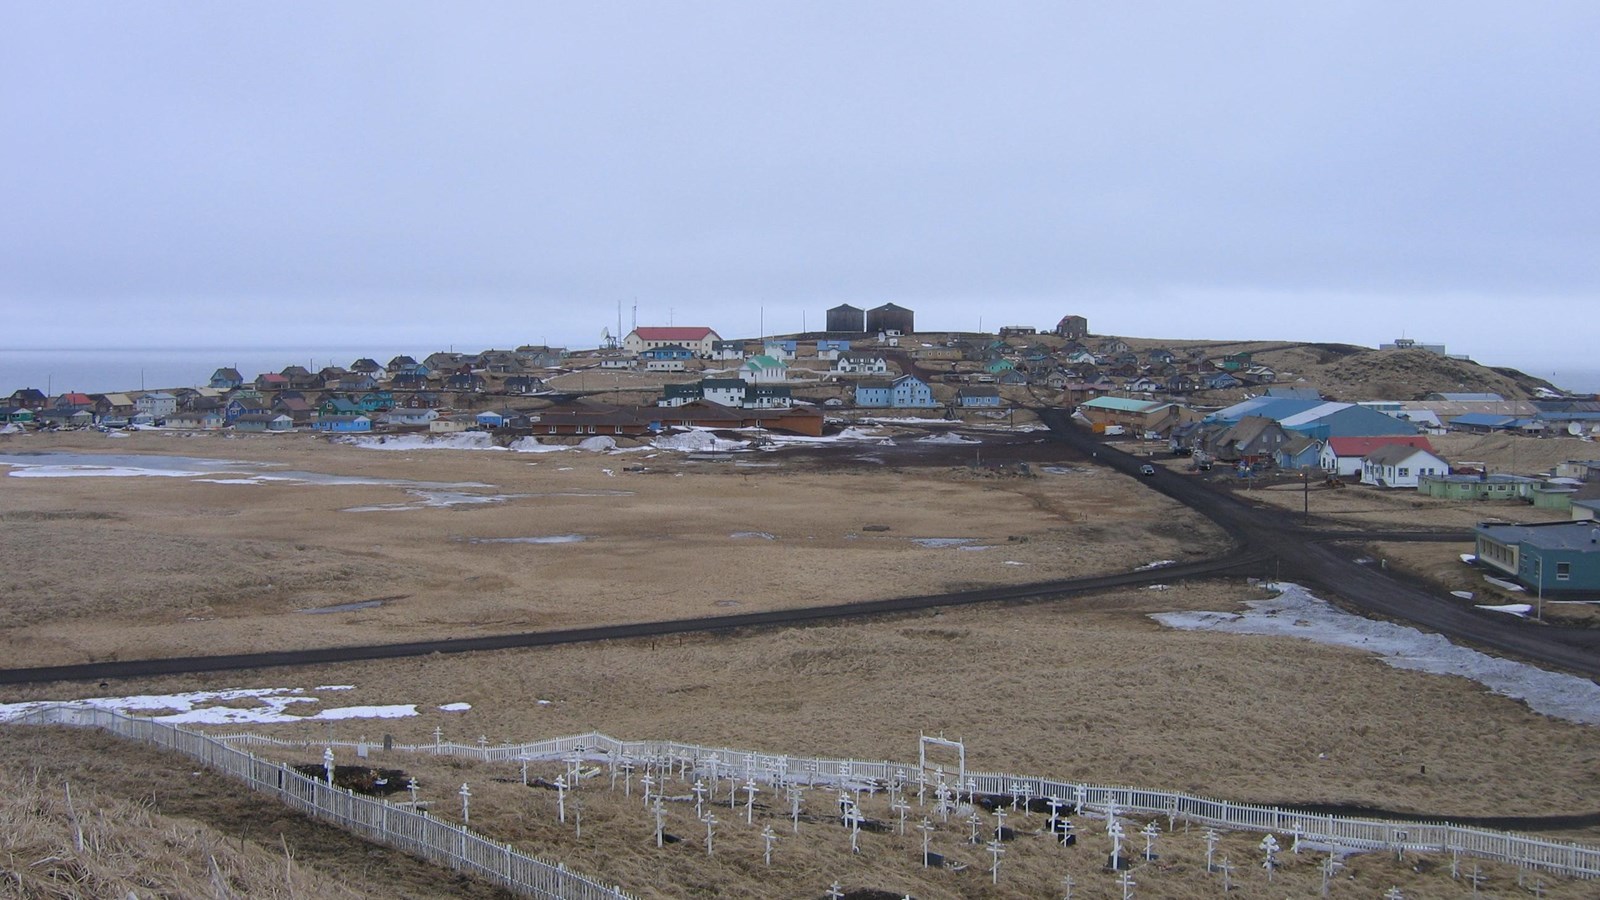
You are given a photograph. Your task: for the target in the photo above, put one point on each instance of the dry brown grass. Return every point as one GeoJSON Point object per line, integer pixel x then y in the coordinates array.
{"type": "Point", "coordinates": [62, 837]}
{"type": "Point", "coordinates": [153, 566]}
{"type": "Point", "coordinates": [1363, 506]}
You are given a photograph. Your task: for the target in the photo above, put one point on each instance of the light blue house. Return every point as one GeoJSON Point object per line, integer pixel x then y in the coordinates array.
{"type": "Point", "coordinates": [342, 424]}
{"type": "Point", "coordinates": [670, 351]}
{"type": "Point", "coordinates": [911, 392]}
{"type": "Point", "coordinates": [830, 349]}
{"type": "Point", "coordinates": [979, 397]}
{"type": "Point", "coordinates": [877, 393]}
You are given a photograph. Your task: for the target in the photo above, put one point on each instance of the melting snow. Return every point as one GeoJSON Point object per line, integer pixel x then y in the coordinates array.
{"type": "Point", "coordinates": [200, 707]}
{"type": "Point", "coordinates": [765, 536]}
{"type": "Point", "coordinates": [1296, 612]}
{"type": "Point", "coordinates": [456, 707]}
{"type": "Point", "coordinates": [942, 542]}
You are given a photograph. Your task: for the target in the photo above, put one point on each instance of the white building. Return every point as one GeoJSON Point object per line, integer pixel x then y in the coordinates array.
{"type": "Point", "coordinates": [1397, 465]}
{"type": "Point", "coordinates": [695, 337]}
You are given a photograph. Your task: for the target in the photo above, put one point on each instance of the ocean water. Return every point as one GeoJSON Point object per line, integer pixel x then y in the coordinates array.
{"type": "Point", "coordinates": [109, 370]}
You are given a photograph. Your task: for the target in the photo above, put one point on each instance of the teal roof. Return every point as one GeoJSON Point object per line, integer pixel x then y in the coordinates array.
{"type": "Point", "coordinates": [764, 362]}
{"type": "Point", "coordinates": [1121, 404]}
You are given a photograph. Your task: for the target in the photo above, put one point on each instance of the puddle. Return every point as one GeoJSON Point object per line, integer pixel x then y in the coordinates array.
{"type": "Point", "coordinates": [726, 603]}
{"type": "Point", "coordinates": [437, 500]}
{"type": "Point", "coordinates": [545, 539]}
{"type": "Point", "coordinates": [762, 535]}
{"type": "Point", "coordinates": [937, 543]}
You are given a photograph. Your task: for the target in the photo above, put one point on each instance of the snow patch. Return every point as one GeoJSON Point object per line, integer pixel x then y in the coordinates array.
{"type": "Point", "coordinates": [461, 440]}
{"type": "Point", "coordinates": [456, 707]}
{"type": "Point", "coordinates": [697, 441]}
{"type": "Point", "coordinates": [1296, 612]}
{"type": "Point", "coordinates": [200, 707]}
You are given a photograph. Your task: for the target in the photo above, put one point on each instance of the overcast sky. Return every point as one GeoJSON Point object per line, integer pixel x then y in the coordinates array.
{"type": "Point", "coordinates": [417, 175]}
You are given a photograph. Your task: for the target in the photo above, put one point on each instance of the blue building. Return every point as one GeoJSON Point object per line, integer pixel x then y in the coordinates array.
{"type": "Point", "coordinates": [979, 398]}
{"type": "Point", "coordinates": [670, 351]}
{"type": "Point", "coordinates": [875, 393]}
{"type": "Point", "coordinates": [1549, 559]}
{"type": "Point", "coordinates": [342, 424]}
{"type": "Point", "coordinates": [911, 392]}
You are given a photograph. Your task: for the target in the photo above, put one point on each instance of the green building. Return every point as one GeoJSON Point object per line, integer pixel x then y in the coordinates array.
{"type": "Point", "coordinates": [1553, 559]}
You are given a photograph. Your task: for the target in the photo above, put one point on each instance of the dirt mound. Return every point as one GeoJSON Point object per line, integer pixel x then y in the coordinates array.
{"type": "Point", "coordinates": [1412, 374]}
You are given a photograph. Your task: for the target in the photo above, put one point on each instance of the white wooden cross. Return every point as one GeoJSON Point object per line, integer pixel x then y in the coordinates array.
{"type": "Point", "coordinates": [466, 803]}
{"type": "Point", "coordinates": [646, 783]}
{"type": "Point", "coordinates": [1065, 830]}
{"type": "Point", "coordinates": [438, 736]}
{"type": "Point", "coordinates": [750, 791]}
{"type": "Point", "coordinates": [1330, 867]}
{"type": "Point", "coordinates": [943, 797]}
{"type": "Point", "coordinates": [523, 758]}
{"type": "Point", "coordinates": [835, 892]}
{"type": "Point", "coordinates": [1394, 893]}
{"type": "Point", "coordinates": [999, 823]}
{"type": "Point", "coordinates": [974, 821]}
{"type": "Point", "coordinates": [574, 760]}
{"type": "Point", "coordinates": [795, 792]}
{"type": "Point", "coordinates": [1150, 831]}
{"type": "Point", "coordinates": [1227, 875]}
{"type": "Point", "coordinates": [972, 789]}
{"type": "Point", "coordinates": [1016, 795]}
{"type": "Point", "coordinates": [1476, 878]}
{"type": "Point", "coordinates": [767, 837]}
{"type": "Point", "coordinates": [1269, 848]}
{"type": "Point", "coordinates": [1055, 811]}
{"type": "Point", "coordinates": [577, 818]}
{"type": "Point", "coordinates": [853, 817]}
{"type": "Point", "coordinates": [927, 833]}
{"type": "Point", "coordinates": [660, 813]}
{"type": "Point", "coordinates": [1211, 848]}
{"type": "Point", "coordinates": [411, 785]}
{"type": "Point", "coordinates": [327, 764]}
{"type": "Point", "coordinates": [627, 777]}
{"type": "Point", "coordinates": [1067, 883]}
{"type": "Point", "coordinates": [699, 791]}
{"type": "Point", "coordinates": [922, 787]}
{"type": "Point", "coordinates": [1111, 812]}
{"type": "Point", "coordinates": [1126, 882]}
{"type": "Point", "coordinates": [996, 850]}
{"type": "Point", "coordinates": [561, 799]}
{"type": "Point", "coordinates": [711, 824]}
{"type": "Point", "coordinates": [1116, 833]}
{"type": "Point", "coordinates": [900, 806]}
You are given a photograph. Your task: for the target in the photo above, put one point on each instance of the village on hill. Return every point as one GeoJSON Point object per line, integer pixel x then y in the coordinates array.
{"type": "Point", "coordinates": [1256, 410]}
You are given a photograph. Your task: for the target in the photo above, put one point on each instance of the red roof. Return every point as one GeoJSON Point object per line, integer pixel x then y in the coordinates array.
{"type": "Point", "coordinates": [1361, 446]}
{"type": "Point", "coordinates": [685, 333]}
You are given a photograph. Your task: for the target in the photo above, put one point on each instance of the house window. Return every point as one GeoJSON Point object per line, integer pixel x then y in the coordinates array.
{"type": "Point", "coordinates": [1563, 571]}
{"type": "Point", "coordinates": [1404, 472]}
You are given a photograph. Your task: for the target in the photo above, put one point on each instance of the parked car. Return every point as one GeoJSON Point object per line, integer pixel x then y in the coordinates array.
{"type": "Point", "coordinates": [1147, 470]}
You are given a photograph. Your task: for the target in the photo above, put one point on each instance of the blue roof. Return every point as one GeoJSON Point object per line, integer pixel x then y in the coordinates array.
{"type": "Point", "coordinates": [1485, 420]}
{"type": "Point", "coordinates": [1274, 408]}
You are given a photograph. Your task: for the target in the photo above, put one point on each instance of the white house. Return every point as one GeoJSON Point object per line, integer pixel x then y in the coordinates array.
{"type": "Point", "coordinates": [1397, 465]}
{"type": "Point", "coordinates": [857, 363]}
{"type": "Point", "coordinates": [724, 391]}
{"type": "Point", "coordinates": [1345, 456]}
{"type": "Point", "coordinates": [663, 365]}
{"type": "Point", "coordinates": [159, 404]}
{"type": "Point", "coordinates": [764, 370]}
{"type": "Point", "coordinates": [726, 350]}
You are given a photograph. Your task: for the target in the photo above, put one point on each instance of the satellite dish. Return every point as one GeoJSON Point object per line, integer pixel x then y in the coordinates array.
{"type": "Point", "coordinates": [1574, 429]}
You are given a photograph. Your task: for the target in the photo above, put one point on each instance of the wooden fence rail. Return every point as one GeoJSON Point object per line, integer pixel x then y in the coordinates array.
{"type": "Point", "coordinates": [411, 831]}
{"type": "Point", "coordinates": [1557, 857]}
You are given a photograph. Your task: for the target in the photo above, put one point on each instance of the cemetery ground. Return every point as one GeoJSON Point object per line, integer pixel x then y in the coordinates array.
{"type": "Point", "coordinates": [1087, 688]}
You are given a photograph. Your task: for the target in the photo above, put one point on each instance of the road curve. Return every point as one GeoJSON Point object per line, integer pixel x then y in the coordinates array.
{"type": "Point", "coordinates": [1304, 556]}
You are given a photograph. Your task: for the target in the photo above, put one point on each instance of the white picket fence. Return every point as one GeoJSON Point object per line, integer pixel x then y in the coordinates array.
{"type": "Point", "coordinates": [412, 831]}
{"type": "Point", "coordinates": [1561, 858]}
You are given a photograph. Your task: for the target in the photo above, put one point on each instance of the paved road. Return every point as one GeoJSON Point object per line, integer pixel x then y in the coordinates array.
{"type": "Point", "coordinates": [1238, 561]}
{"type": "Point", "coordinates": [1307, 557]}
